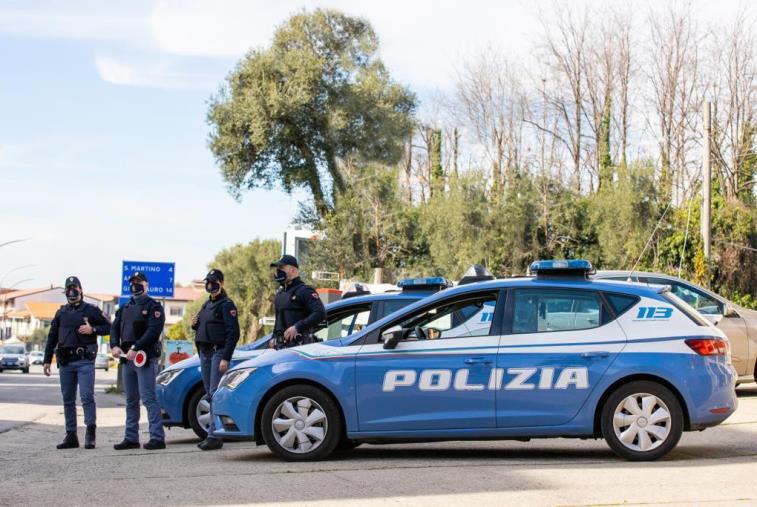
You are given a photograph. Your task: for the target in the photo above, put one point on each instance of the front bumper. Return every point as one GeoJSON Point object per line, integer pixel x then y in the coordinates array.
{"type": "Point", "coordinates": [173, 397]}
{"type": "Point", "coordinates": [14, 366]}
{"type": "Point", "coordinates": [234, 410]}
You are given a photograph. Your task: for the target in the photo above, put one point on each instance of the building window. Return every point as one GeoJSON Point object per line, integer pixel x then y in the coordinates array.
{"type": "Point", "coordinates": [176, 312]}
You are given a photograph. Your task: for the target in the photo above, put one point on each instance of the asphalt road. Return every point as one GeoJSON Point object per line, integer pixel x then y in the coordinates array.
{"type": "Point", "coordinates": [714, 467]}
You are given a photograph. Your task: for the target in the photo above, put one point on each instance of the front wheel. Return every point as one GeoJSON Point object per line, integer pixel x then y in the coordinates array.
{"type": "Point", "coordinates": [301, 423]}
{"type": "Point", "coordinates": [25, 370]}
{"type": "Point", "coordinates": [198, 413]}
{"type": "Point", "coordinates": [642, 421]}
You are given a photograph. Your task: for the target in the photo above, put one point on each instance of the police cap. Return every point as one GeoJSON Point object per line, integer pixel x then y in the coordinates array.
{"type": "Point", "coordinates": [72, 281]}
{"type": "Point", "coordinates": [286, 260]}
{"type": "Point", "coordinates": [138, 276]}
{"type": "Point", "coordinates": [214, 275]}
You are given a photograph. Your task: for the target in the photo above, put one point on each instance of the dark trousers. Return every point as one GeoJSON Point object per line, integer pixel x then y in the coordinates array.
{"type": "Point", "coordinates": [140, 383]}
{"type": "Point", "coordinates": [81, 374]}
{"type": "Point", "coordinates": [211, 375]}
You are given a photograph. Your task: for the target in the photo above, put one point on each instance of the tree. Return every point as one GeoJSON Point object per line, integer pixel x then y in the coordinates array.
{"type": "Point", "coordinates": [371, 227]}
{"type": "Point", "coordinates": [319, 94]}
{"type": "Point", "coordinates": [176, 332]}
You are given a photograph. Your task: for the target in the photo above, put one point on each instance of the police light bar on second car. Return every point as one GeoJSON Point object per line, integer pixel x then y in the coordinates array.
{"type": "Point", "coordinates": [431, 283]}
{"type": "Point", "coordinates": [573, 267]}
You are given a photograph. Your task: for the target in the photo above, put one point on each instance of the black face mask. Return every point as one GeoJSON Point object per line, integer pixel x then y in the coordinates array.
{"type": "Point", "coordinates": [280, 276]}
{"type": "Point", "coordinates": [73, 294]}
{"type": "Point", "coordinates": [211, 287]}
{"type": "Point", "coordinates": [136, 289]}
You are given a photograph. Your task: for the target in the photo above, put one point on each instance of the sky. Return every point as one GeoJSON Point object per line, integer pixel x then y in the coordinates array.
{"type": "Point", "coordinates": [103, 136]}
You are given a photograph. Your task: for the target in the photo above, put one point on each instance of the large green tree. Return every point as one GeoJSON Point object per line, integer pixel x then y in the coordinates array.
{"type": "Point", "coordinates": [319, 94]}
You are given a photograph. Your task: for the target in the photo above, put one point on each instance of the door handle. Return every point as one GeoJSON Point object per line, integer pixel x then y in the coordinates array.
{"type": "Point", "coordinates": [595, 354]}
{"type": "Point", "coordinates": [477, 360]}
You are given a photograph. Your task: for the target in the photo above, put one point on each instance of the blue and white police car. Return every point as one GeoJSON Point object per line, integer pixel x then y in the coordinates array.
{"type": "Point", "coordinates": [180, 391]}
{"type": "Point", "coordinates": [552, 355]}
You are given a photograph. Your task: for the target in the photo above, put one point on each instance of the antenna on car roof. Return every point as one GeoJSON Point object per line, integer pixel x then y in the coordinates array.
{"type": "Point", "coordinates": [657, 226]}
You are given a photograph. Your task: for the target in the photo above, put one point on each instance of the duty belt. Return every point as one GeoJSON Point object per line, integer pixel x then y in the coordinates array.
{"type": "Point", "coordinates": [67, 355]}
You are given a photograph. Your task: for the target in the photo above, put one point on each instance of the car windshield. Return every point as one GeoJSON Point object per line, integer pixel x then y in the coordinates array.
{"type": "Point", "coordinates": [12, 350]}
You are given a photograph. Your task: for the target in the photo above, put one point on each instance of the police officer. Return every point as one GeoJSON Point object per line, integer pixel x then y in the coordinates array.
{"type": "Point", "coordinates": [216, 334]}
{"type": "Point", "coordinates": [298, 307]}
{"type": "Point", "coordinates": [73, 340]}
{"type": "Point", "coordinates": [138, 326]}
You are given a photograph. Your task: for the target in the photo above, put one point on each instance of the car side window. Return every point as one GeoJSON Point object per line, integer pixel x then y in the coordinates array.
{"type": "Point", "coordinates": [344, 324]}
{"type": "Point", "coordinates": [699, 300]}
{"type": "Point", "coordinates": [544, 310]}
{"type": "Point", "coordinates": [460, 318]}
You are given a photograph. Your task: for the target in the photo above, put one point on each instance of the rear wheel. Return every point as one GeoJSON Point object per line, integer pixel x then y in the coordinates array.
{"type": "Point", "coordinates": [198, 413]}
{"type": "Point", "coordinates": [642, 421]}
{"type": "Point", "coordinates": [301, 423]}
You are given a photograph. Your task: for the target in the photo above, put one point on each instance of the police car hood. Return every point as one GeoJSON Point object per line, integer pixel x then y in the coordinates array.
{"type": "Point", "coordinates": [268, 357]}
{"type": "Point", "coordinates": [194, 361]}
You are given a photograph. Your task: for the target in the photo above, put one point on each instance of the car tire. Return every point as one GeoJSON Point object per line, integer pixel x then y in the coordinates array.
{"type": "Point", "coordinates": [194, 422]}
{"type": "Point", "coordinates": [25, 370]}
{"type": "Point", "coordinates": [642, 421]}
{"type": "Point", "coordinates": [1, 370]}
{"type": "Point", "coordinates": [310, 423]}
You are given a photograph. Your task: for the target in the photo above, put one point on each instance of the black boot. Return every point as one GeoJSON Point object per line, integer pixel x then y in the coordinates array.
{"type": "Point", "coordinates": [211, 444]}
{"type": "Point", "coordinates": [89, 437]}
{"type": "Point", "coordinates": [125, 444]}
{"type": "Point", "coordinates": [153, 445]}
{"type": "Point", "coordinates": [70, 442]}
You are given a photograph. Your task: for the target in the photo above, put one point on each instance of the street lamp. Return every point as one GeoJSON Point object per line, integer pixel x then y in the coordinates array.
{"type": "Point", "coordinates": [14, 241]}
{"type": "Point", "coordinates": [17, 268]}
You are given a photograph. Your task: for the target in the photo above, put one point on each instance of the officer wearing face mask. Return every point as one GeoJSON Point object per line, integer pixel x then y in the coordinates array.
{"type": "Point", "coordinates": [216, 334]}
{"type": "Point", "coordinates": [299, 309]}
{"type": "Point", "coordinates": [73, 339]}
{"type": "Point", "coordinates": [138, 326]}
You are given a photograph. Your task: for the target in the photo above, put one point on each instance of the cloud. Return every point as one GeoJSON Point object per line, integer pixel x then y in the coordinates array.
{"type": "Point", "coordinates": [160, 72]}
{"type": "Point", "coordinates": [73, 23]}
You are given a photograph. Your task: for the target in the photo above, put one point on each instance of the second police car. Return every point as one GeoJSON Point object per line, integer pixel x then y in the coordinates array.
{"type": "Point", "coordinates": [181, 394]}
{"type": "Point", "coordinates": [555, 355]}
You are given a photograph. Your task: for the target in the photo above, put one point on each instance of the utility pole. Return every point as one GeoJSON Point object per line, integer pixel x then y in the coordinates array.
{"type": "Point", "coordinates": [706, 181]}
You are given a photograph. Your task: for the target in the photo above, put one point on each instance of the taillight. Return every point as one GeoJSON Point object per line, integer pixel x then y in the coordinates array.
{"type": "Point", "coordinates": [708, 346]}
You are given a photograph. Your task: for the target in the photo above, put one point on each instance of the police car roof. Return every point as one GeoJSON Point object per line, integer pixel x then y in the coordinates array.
{"type": "Point", "coordinates": [567, 282]}
{"type": "Point", "coordinates": [371, 298]}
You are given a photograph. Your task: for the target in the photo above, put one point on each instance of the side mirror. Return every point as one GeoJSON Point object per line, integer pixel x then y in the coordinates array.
{"type": "Point", "coordinates": [730, 312]}
{"type": "Point", "coordinates": [392, 337]}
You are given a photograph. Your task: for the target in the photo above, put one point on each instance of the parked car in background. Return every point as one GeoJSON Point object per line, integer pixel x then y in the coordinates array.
{"type": "Point", "coordinates": [102, 362]}
{"type": "Point", "coordinates": [36, 357]}
{"type": "Point", "coordinates": [739, 324]}
{"type": "Point", "coordinates": [13, 357]}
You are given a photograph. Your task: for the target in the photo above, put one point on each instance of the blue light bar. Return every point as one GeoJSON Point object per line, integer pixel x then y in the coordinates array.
{"type": "Point", "coordinates": [434, 282]}
{"type": "Point", "coordinates": [572, 267]}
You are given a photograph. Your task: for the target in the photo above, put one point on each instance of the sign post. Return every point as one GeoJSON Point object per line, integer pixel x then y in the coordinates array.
{"type": "Point", "coordinates": [160, 279]}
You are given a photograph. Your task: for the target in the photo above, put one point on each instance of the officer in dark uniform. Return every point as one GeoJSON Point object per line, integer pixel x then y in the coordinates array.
{"type": "Point", "coordinates": [73, 339]}
{"type": "Point", "coordinates": [138, 326]}
{"type": "Point", "coordinates": [216, 334]}
{"type": "Point", "coordinates": [299, 309]}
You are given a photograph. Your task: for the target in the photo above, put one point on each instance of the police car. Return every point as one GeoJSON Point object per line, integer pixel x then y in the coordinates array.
{"type": "Point", "coordinates": [180, 391]}
{"type": "Point", "coordinates": [553, 355]}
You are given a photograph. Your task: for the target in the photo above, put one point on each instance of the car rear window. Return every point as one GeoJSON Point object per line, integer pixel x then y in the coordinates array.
{"type": "Point", "coordinates": [391, 306]}
{"type": "Point", "coordinates": [620, 302]}
{"type": "Point", "coordinates": [686, 309]}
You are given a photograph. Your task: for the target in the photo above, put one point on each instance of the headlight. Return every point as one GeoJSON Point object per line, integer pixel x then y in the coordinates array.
{"type": "Point", "coordinates": [167, 376]}
{"type": "Point", "coordinates": [234, 378]}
